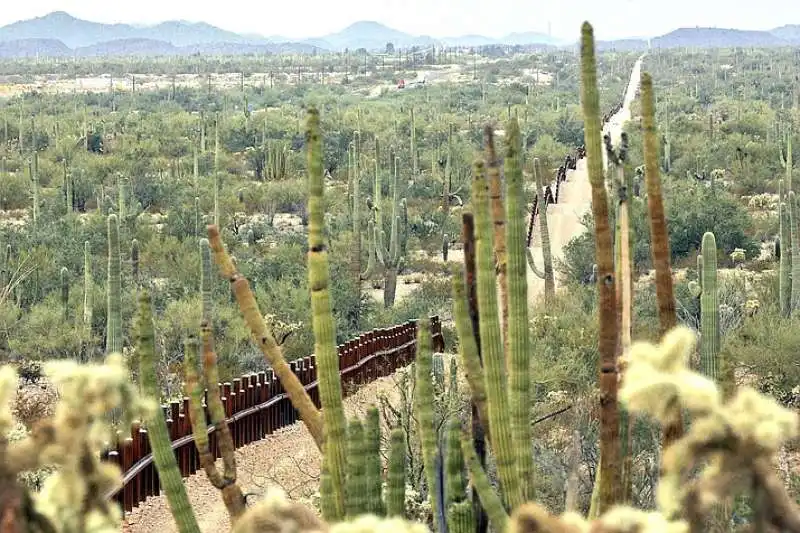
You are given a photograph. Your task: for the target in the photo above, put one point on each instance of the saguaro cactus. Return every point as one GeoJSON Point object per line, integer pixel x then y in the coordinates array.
{"type": "Point", "coordinates": [113, 289]}
{"type": "Point", "coordinates": [388, 257]}
{"type": "Point", "coordinates": [709, 310]}
{"type": "Point", "coordinates": [794, 228]}
{"type": "Point", "coordinates": [546, 273]}
{"type": "Point", "coordinates": [135, 261]}
{"type": "Point", "coordinates": [65, 292]}
{"type": "Point", "coordinates": [88, 283]}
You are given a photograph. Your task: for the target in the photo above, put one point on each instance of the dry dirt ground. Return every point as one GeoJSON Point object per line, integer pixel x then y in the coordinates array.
{"type": "Point", "coordinates": [289, 458]}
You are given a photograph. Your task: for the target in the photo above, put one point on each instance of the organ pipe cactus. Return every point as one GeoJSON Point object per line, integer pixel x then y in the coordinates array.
{"type": "Point", "coordinates": [113, 290]}
{"type": "Point", "coordinates": [608, 472]}
{"type": "Point", "coordinates": [164, 458]}
{"type": "Point", "coordinates": [356, 487]}
{"type": "Point", "coordinates": [547, 272]}
{"type": "Point", "coordinates": [659, 238]}
{"type": "Point", "coordinates": [330, 386]}
{"type": "Point", "coordinates": [195, 384]}
{"type": "Point", "coordinates": [372, 466]}
{"type": "Point", "coordinates": [264, 339]}
{"type": "Point", "coordinates": [396, 477]}
{"type": "Point", "coordinates": [709, 309]}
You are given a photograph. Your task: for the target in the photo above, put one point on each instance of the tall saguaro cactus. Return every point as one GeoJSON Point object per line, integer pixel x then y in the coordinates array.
{"type": "Point", "coordinates": [794, 228]}
{"type": "Point", "coordinates": [113, 289]}
{"type": "Point", "coordinates": [608, 473]}
{"type": "Point", "coordinates": [546, 273]}
{"type": "Point", "coordinates": [709, 310]}
{"type": "Point", "coordinates": [322, 319]}
{"type": "Point", "coordinates": [659, 247]}
{"type": "Point", "coordinates": [88, 283]}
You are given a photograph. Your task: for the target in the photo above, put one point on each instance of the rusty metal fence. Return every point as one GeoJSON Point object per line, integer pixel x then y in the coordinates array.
{"type": "Point", "coordinates": [256, 405]}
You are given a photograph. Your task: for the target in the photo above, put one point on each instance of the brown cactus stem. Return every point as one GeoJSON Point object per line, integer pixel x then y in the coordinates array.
{"type": "Point", "coordinates": [478, 431]}
{"type": "Point", "coordinates": [232, 494]}
{"type": "Point", "coordinates": [659, 247]}
{"type": "Point", "coordinates": [609, 326]}
{"type": "Point", "coordinates": [498, 225]}
{"type": "Point", "coordinates": [273, 353]}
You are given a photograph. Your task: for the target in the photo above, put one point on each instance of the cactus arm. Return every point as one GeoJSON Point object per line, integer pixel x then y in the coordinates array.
{"type": "Point", "coordinates": [498, 224]}
{"type": "Point", "coordinates": [330, 385]}
{"type": "Point", "coordinates": [423, 408]}
{"type": "Point", "coordinates": [609, 327]}
{"type": "Point", "coordinates": [266, 342]}
{"type": "Point", "coordinates": [492, 344]}
{"type": "Point", "coordinates": [396, 478]}
{"type": "Point", "coordinates": [64, 275]}
{"type": "Point", "coordinates": [547, 256]}
{"type": "Point", "coordinates": [785, 261]}
{"type": "Point", "coordinates": [455, 489]}
{"type": "Point", "coordinates": [490, 501]}
{"type": "Point", "coordinates": [532, 263]}
{"type": "Point", "coordinates": [371, 242]}
{"type": "Point", "coordinates": [164, 458]}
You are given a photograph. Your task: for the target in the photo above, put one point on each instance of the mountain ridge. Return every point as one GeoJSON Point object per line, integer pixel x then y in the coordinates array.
{"type": "Point", "coordinates": [61, 34]}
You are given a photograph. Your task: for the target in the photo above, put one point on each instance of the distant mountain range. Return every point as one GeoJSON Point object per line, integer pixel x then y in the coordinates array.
{"type": "Point", "coordinates": [59, 34]}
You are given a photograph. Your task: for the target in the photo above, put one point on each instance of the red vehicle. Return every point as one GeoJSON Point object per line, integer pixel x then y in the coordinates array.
{"type": "Point", "coordinates": [401, 84]}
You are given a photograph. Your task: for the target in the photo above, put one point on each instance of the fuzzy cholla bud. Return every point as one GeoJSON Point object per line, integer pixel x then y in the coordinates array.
{"type": "Point", "coordinates": [658, 379]}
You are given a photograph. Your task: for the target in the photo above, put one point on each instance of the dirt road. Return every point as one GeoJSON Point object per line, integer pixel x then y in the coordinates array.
{"type": "Point", "coordinates": [575, 199]}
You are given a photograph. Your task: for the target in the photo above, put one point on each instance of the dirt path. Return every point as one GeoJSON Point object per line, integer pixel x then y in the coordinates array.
{"type": "Point", "coordinates": [287, 459]}
{"type": "Point", "coordinates": [575, 198]}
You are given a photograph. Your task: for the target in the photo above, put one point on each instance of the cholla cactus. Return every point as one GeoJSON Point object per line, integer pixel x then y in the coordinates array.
{"type": "Point", "coordinates": [73, 498]}
{"type": "Point", "coordinates": [738, 256]}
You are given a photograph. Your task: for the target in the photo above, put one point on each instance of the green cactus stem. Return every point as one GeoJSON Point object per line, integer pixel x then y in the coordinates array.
{"type": "Point", "coordinates": [794, 228]}
{"type": "Point", "coordinates": [455, 487]}
{"type": "Point", "coordinates": [709, 310]}
{"type": "Point", "coordinates": [198, 217]}
{"type": "Point", "coordinates": [519, 348]}
{"type": "Point", "coordinates": [396, 477]}
{"type": "Point", "coordinates": [491, 351]}
{"type": "Point", "coordinates": [169, 475]}
{"type": "Point", "coordinates": [330, 385]}
{"type": "Point", "coordinates": [608, 473]}
{"type": "Point", "coordinates": [468, 348]}
{"type": "Point", "coordinates": [490, 501]}
{"type": "Point", "coordinates": [88, 284]}
{"type": "Point", "coordinates": [373, 468]}
{"type": "Point", "coordinates": [64, 275]}
{"type": "Point", "coordinates": [113, 290]}
{"type": "Point", "coordinates": [34, 172]}
{"type": "Point", "coordinates": [785, 261]}
{"type": "Point", "coordinates": [498, 224]}
{"type": "Point", "coordinates": [424, 400]}
{"type": "Point", "coordinates": [356, 488]}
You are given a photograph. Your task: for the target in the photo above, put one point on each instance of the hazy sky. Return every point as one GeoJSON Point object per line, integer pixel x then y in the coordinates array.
{"type": "Point", "coordinates": [439, 18]}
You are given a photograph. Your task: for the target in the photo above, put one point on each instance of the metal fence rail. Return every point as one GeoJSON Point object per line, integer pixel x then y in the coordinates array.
{"type": "Point", "coordinates": [256, 405]}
